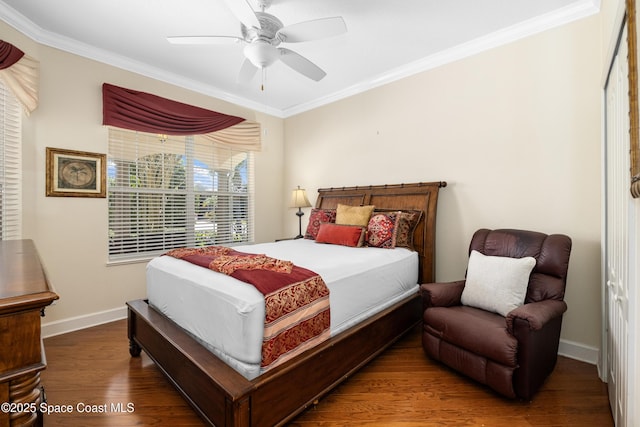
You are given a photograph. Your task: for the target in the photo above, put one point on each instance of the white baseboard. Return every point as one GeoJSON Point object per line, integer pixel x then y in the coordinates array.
{"type": "Point", "coordinates": [64, 326]}
{"type": "Point", "coordinates": [577, 351]}
{"type": "Point", "coordinates": [570, 349]}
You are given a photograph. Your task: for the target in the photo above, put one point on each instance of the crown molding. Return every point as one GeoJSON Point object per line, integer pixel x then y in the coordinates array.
{"type": "Point", "coordinates": [575, 11]}
{"type": "Point", "coordinates": [47, 38]}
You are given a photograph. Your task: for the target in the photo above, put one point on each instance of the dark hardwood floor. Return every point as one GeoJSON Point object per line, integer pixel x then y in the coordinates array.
{"type": "Point", "coordinates": [402, 387]}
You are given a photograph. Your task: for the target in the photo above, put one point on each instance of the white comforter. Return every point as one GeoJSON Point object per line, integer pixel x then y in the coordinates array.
{"type": "Point", "coordinates": [218, 309]}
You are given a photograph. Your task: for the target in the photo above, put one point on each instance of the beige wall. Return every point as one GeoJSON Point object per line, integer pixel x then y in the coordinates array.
{"type": "Point", "coordinates": [516, 133]}
{"type": "Point", "coordinates": [71, 233]}
{"type": "Point", "coordinates": [611, 13]}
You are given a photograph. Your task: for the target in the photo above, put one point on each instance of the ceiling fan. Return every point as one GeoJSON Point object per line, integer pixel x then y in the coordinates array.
{"type": "Point", "coordinates": [263, 33]}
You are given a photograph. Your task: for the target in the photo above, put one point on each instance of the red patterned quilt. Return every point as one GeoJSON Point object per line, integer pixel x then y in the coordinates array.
{"type": "Point", "coordinates": [297, 315]}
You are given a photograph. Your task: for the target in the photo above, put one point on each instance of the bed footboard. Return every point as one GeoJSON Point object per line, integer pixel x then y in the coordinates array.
{"type": "Point", "coordinates": [223, 397]}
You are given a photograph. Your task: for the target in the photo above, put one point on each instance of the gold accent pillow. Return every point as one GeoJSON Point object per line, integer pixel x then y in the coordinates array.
{"type": "Point", "coordinates": [354, 215]}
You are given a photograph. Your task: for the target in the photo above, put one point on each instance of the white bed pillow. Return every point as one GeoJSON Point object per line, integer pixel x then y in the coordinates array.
{"type": "Point", "coordinates": [495, 283]}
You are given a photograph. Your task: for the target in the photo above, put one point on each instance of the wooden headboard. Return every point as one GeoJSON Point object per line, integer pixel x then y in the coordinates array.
{"type": "Point", "coordinates": [419, 196]}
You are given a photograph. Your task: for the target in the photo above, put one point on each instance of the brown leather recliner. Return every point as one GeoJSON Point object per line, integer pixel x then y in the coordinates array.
{"type": "Point", "coordinates": [514, 354]}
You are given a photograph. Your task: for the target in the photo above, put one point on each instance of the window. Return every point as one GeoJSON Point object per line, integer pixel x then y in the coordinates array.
{"type": "Point", "coordinates": [10, 165]}
{"type": "Point", "coordinates": [173, 191]}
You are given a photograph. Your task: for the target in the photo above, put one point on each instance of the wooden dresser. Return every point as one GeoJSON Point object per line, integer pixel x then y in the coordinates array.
{"type": "Point", "coordinates": [24, 293]}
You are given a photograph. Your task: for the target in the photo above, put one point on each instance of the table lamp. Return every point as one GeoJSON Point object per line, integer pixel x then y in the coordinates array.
{"type": "Point", "coordinates": [299, 200]}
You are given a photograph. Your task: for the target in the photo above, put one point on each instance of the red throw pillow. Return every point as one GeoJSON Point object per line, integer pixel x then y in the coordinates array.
{"type": "Point", "coordinates": [316, 218]}
{"type": "Point", "coordinates": [382, 230]}
{"type": "Point", "coordinates": [345, 235]}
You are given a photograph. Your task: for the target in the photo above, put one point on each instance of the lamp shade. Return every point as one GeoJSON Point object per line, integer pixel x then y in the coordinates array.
{"type": "Point", "coordinates": [299, 198]}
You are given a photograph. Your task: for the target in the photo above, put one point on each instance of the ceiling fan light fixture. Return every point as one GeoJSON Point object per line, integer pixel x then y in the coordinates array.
{"type": "Point", "coordinates": [263, 33]}
{"type": "Point", "coordinates": [261, 54]}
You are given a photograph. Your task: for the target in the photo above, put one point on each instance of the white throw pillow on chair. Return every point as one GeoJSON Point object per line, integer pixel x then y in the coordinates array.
{"type": "Point", "coordinates": [495, 283]}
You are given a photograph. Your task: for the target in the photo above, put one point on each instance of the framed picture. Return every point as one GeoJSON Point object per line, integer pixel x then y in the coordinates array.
{"type": "Point", "coordinates": [75, 173]}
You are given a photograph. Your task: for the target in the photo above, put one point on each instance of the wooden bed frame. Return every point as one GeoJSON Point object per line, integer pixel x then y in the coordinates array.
{"type": "Point", "coordinates": [223, 397]}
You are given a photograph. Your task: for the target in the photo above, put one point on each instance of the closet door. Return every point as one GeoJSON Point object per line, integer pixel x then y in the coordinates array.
{"type": "Point", "coordinates": [618, 207]}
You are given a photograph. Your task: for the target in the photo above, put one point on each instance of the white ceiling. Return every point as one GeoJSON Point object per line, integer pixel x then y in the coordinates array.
{"type": "Point", "coordinates": [386, 40]}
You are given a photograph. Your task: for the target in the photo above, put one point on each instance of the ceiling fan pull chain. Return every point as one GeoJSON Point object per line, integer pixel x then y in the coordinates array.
{"type": "Point", "coordinates": [264, 75]}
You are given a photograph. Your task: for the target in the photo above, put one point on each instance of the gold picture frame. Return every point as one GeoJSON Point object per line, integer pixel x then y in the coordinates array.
{"type": "Point", "coordinates": [634, 119]}
{"type": "Point", "coordinates": [73, 173]}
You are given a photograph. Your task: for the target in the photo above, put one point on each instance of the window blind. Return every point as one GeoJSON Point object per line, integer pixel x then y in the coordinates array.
{"type": "Point", "coordinates": [166, 192]}
{"type": "Point", "coordinates": [10, 165]}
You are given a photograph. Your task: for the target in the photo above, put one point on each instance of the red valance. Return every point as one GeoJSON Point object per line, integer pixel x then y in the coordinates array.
{"type": "Point", "coordinates": [140, 111]}
{"type": "Point", "coordinates": [9, 54]}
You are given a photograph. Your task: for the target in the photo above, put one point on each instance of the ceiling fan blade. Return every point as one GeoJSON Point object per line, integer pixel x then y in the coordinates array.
{"type": "Point", "coordinates": [313, 30]}
{"type": "Point", "coordinates": [203, 39]}
{"type": "Point", "coordinates": [244, 12]}
{"type": "Point", "coordinates": [247, 71]}
{"type": "Point", "coordinates": [301, 64]}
